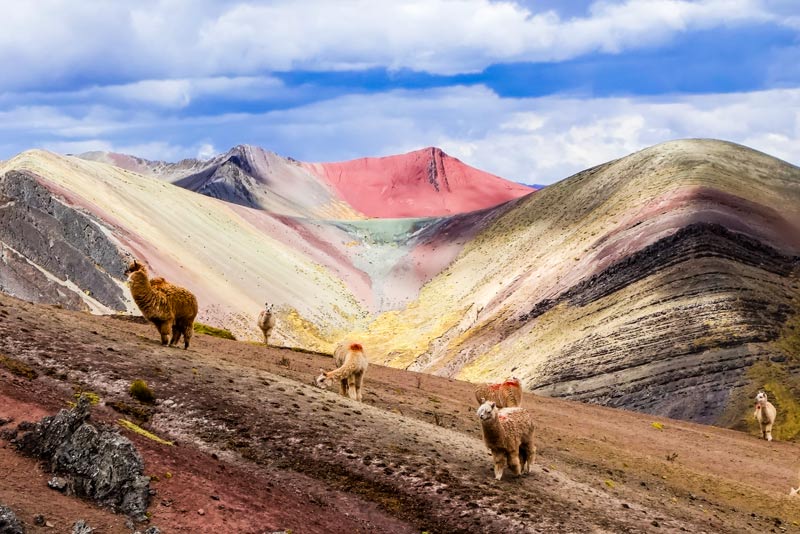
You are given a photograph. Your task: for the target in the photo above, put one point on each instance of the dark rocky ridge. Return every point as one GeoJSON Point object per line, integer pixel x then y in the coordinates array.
{"type": "Point", "coordinates": [230, 178]}
{"type": "Point", "coordinates": [61, 240]}
{"type": "Point", "coordinates": [100, 465]}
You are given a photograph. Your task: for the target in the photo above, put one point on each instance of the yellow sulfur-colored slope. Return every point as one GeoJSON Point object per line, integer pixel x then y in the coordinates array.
{"type": "Point", "coordinates": [233, 258]}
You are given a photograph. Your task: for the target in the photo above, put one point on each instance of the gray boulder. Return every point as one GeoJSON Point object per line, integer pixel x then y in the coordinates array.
{"type": "Point", "coordinates": [99, 465]}
{"type": "Point", "coordinates": [9, 524]}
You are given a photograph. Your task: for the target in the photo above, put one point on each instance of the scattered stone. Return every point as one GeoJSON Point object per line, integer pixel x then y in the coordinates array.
{"type": "Point", "coordinates": [655, 523]}
{"type": "Point", "coordinates": [9, 524]}
{"type": "Point", "coordinates": [215, 497]}
{"type": "Point", "coordinates": [48, 524]}
{"type": "Point", "coordinates": [201, 512]}
{"type": "Point", "coordinates": [80, 527]}
{"type": "Point", "coordinates": [100, 465]}
{"type": "Point", "coordinates": [38, 520]}
{"type": "Point", "coordinates": [626, 505]}
{"type": "Point", "coordinates": [152, 530]}
{"type": "Point", "coordinates": [58, 484]}
{"type": "Point", "coordinates": [4, 421]}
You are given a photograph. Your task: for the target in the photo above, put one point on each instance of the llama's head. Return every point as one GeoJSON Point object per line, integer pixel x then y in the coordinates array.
{"type": "Point", "coordinates": [133, 267]}
{"type": "Point", "coordinates": [487, 410]}
{"type": "Point", "coordinates": [322, 381]}
{"type": "Point", "coordinates": [761, 397]}
{"type": "Point", "coordinates": [268, 307]}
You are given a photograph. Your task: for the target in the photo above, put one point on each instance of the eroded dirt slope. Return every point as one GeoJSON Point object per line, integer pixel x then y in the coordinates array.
{"type": "Point", "coordinates": [257, 448]}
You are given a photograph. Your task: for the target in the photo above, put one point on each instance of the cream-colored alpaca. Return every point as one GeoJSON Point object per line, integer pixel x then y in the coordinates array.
{"type": "Point", "coordinates": [266, 321]}
{"type": "Point", "coordinates": [349, 375]}
{"type": "Point", "coordinates": [765, 415]}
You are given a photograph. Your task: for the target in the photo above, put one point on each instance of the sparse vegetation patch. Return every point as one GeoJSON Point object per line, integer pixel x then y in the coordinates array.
{"type": "Point", "coordinates": [140, 391]}
{"type": "Point", "coordinates": [201, 328]}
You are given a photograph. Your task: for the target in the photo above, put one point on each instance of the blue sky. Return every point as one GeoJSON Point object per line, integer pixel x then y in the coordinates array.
{"type": "Point", "coordinates": [532, 90]}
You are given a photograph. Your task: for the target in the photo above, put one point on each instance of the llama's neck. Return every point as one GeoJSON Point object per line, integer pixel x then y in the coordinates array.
{"type": "Point", "coordinates": [492, 431]}
{"type": "Point", "coordinates": [139, 283]}
{"type": "Point", "coordinates": [345, 370]}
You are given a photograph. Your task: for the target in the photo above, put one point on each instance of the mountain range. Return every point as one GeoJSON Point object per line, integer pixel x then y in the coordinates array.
{"type": "Point", "coordinates": [664, 281]}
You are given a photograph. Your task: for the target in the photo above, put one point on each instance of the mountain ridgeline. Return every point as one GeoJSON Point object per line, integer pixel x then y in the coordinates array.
{"type": "Point", "coordinates": [665, 281]}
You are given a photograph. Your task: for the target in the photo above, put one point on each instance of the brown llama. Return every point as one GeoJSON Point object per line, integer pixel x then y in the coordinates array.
{"type": "Point", "coordinates": [170, 308]}
{"type": "Point", "coordinates": [266, 321]}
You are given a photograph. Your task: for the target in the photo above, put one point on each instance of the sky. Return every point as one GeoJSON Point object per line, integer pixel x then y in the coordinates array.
{"type": "Point", "coordinates": [530, 90]}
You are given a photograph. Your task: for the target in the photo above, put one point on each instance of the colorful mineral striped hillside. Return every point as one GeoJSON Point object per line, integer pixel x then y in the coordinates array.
{"type": "Point", "coordinates": [661, 282]}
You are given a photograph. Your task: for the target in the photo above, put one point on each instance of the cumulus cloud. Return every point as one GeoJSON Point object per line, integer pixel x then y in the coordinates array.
{"type": "Point", "coordinates": [52, 42]}
{"type": "Point", "coordinates": [533, 140]}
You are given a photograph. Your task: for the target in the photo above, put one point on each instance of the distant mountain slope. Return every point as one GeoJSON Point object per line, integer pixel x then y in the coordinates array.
{"type": "Point", "coordinates": [245, 175]}
{"type": "Point", "coordinates": [233, 258]}
{"type": "Point", "coordinates": [423, 183]}
{"type": "Point", "coordinates": [652, 282]}
{"type": "Point", "coordinates": [71, 224]}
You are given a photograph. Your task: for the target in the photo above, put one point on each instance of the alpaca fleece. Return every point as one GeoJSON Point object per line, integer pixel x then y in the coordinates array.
{"type": "Point", "coordinates": [508, 433]}
{"type": "Point", "coordinates": [170, 308]}
{"type": "Point", "coordinates": [266, 322]}
{"type": "Point", "coordinates": [351, 370]}
{"type": "Point", "coordinates": [765, 415]}
{"type": "Point", "coordinates": [505, 394]}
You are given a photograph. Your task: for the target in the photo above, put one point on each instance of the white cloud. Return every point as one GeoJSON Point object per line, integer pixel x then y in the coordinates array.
{"type": "Point", "coordinates": [51, 41]}
{"type": "Point", "coordinates": [534, 140]}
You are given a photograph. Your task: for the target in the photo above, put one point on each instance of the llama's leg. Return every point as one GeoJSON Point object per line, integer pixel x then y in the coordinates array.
{"type": "Point", "coordinates": [359, 383]}
{"type": "Point", "coordinates": [188, 330]}
{"type": "Point", "coordinates": [527, 454]}
{"type": "Point", "coordinates": [499, 464]}
{"type": "Point", "coordinates": [267, 332]}
{"type": "Point", "coordinates": [177, 330]}
{"type": "Point", "coordinates": [165, 329]}
{"type": "Point", "coordinates": [514, 463]}
{"type": "Point", "coordinates": [768, 431]}
{"type": "Point", "coordinates": [351, 388]}
{"type": "Point", "coordinates": [343, 388]}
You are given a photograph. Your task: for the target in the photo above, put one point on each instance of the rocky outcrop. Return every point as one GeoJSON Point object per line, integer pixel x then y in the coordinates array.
{"type": "Point", "coordinates": [99, 465]}
{"type": "Point", "coordinates": [52, 253]}
{"type": "Point", "coordinates": [9, 524]}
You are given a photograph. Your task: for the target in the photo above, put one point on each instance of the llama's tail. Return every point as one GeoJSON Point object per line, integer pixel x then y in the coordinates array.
{"type": "Point", "coordinates": [356, 347]}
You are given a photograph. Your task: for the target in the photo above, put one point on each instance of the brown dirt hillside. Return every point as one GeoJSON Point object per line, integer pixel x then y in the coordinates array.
{"type": "Point", "coordinates": [258, 449]}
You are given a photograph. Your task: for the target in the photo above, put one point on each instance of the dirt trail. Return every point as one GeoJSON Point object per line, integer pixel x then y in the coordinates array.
{"type": "Point", "coordinates": [258, 449]}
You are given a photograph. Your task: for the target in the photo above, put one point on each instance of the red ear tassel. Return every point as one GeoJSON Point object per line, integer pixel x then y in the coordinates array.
{"type": "Point", "coordinates": [356, 346]}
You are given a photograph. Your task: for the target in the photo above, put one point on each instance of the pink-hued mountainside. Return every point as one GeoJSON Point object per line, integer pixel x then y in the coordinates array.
{"type": "Point", "coordinates": [424, 183]}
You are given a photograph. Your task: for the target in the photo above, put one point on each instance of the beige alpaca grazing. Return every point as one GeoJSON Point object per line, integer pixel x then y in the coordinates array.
{"type": "Point", "coordinates": [765, 415]}
{"type": "Point", "coordinates": [349, 374]}
{"type": "Point", "coordinates": [170, 308]}
{"type": "Point", "coordinates": [508, 433]}
{"type": "Point", "coordinates": [266, 321]}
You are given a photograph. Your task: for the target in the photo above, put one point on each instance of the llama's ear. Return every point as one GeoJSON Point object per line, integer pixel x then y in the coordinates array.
{"type": "Point", "coordinates": [493, 405]}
